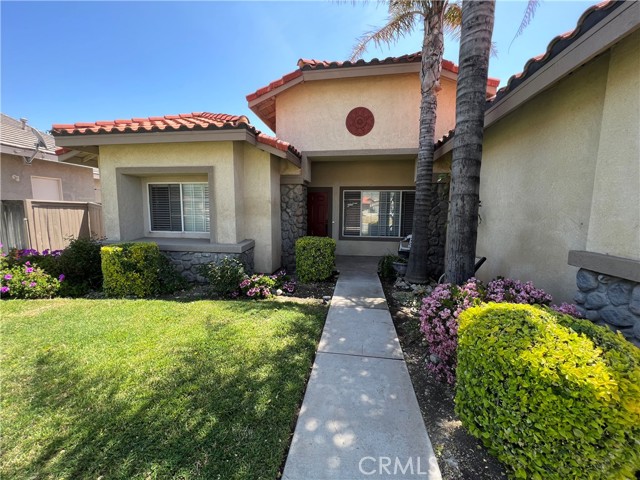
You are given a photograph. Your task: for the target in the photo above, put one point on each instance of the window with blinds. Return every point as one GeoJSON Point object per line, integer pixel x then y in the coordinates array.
{"type": "Point", "coordinates": [377, 213]}
{"type": "Point", "coordinates": [179, 207]}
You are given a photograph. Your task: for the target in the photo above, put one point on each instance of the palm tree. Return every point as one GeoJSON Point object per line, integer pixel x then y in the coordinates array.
{"type": "Point", "coordinates": [436, 16]}
{"type": "Point", "coordinates": [475, 49]}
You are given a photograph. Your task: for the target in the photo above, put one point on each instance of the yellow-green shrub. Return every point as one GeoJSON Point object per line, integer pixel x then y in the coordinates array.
{"type": "Point", "coordinates": [131, 269]}
{"type": "Point", "coordinates": [315, 258]}
{"type": "Point", "coordinates": [553, 397]}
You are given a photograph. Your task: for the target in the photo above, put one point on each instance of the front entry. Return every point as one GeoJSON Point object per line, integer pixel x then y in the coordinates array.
{"type": "Point", "coordinates": [319, 212]}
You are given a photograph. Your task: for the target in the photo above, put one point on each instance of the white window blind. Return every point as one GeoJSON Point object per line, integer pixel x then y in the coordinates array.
{"type": "Point", "coordinates": [377, 213]}
{"type": "Point", "coordinates": [179, 207]}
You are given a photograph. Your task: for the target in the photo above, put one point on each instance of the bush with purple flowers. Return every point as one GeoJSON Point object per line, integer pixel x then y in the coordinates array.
{"type": "Point", "coordinates": [264, 286]}
{"type": "Point", "coordinates": [439, 323]}
{"type": "Point", "coordinates": [440, 310]}
{"type": "Point", "coordinates": [27, 281]}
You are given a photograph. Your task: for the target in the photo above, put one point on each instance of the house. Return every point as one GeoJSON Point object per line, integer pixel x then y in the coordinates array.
{"type": "Point", "coordinates": [31, 170]}
{"type": "Point", "coordinates": [560, 182]}
{"type": "Point", "coordinates": [203, 185]}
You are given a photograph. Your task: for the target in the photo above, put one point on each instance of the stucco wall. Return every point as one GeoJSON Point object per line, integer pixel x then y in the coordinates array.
{"type": "Point", "coordinates": [242, 188]}
{"type": "Point", "coordinates": [561, 173]}
{"type": "Point", "coordinates": [262, 207]}
{"type": "Point", "coordinates": [77, 182]}
{"type": "Point", "coordinates": [614, 224]}
{"type": "Point", "coordinates": [394, 173]}
{"type": "Point", "coordinates": [312, 115]}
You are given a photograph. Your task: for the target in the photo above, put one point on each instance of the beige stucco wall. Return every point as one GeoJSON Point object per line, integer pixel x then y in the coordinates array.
{"type": "Point", "coordinates": [561, 173]}
{"type": "Point", "coordinates": [312, 115]}
{"type": "Point", "coordinates": [77, 182]}
{"type": "Point", "coordinates": [614, 224]}
{"type": "Point", "coordinates": [242, 198]}
{"type": "Point", "coordinates": [381, 173]}
{"type": "Point", "coordinates": [262, 206]}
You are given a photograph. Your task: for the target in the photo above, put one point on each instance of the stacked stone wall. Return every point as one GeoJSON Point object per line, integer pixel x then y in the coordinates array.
{"type": "Point", "coordinates": [188, 263]}
{"type": "Point", "coordinates": [293, 221]}
{"type": "Point", "coordinates": [610, 301]}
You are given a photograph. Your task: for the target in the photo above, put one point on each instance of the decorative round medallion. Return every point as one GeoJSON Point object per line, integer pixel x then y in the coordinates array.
{"type": "Point", "coordinates": [360, 121]}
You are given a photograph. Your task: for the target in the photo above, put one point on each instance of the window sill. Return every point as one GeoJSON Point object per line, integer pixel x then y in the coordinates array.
{"type": "Point", "coordinates": [195, 245]}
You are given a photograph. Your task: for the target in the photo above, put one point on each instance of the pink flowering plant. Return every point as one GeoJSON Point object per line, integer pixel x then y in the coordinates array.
{"type": "Point", "coordinates": [440, 310]}
{"type": "Point", "coordinates": [514, 291]}
{"type": "Point", "coordinates": [264, 286]}
{"type": "Point", "coordinates": [439, 323]}
{"type": "Point", "coordinates": [27, 281]}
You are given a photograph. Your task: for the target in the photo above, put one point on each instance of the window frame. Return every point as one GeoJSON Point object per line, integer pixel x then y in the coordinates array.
{"type": "Point", "coordinates": [361, 189]}
{"type": "Point", "coordinates": [168, 233]}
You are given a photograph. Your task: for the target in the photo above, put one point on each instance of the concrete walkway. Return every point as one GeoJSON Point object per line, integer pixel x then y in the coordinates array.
{"type": "Point", "coordinates": [360, 417]}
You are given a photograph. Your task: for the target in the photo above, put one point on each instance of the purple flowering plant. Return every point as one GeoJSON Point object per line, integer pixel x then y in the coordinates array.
{"type": "Point", "coordinates": [440, 311]}
{"type": "Point", "coordinates": [22, 281]}
{"type": "Point", "coordinates": [265, 286]}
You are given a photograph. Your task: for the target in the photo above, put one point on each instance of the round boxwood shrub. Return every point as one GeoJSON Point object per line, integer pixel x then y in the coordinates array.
{"type": "Point", "coordinates": [315, 258]}
{"type": "Point", "coordinates": [552, 396]}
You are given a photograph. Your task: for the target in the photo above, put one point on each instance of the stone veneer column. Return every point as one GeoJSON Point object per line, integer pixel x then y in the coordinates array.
{"type": "Point", "coordinates": [293, 215]}
{"type": "Point", "coordinates": [438, 214]}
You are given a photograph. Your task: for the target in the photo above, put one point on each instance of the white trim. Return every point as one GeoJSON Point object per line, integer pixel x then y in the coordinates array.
{"type": "Point", "coordinates": [370, 189]}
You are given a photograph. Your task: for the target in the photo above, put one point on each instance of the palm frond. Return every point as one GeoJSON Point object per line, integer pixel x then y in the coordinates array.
{"type": "Point", "coordinates": [395, 29]}
{"type": "Point", "coordinates": [529, 13]}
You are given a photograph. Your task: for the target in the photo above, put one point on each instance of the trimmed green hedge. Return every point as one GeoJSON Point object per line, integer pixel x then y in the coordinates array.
{"type": "Point", "coordinates": [553, 397]}
{"type": "Point", "coordinates": [315, 258]}
{"type": "Point", "coordinates": [137, 269]}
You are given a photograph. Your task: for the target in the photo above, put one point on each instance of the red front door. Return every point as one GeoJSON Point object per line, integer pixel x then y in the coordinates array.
{"type": "Point", "coordinates": [318, 214]}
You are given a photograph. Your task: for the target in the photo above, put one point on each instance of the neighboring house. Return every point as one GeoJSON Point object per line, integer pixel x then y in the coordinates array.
{"type": "Point", "coordinates": [203, 184]}
{"type": "Point", "coordinates": [31, 170]}
{"type": "Point", "coordinates": [560, 176]}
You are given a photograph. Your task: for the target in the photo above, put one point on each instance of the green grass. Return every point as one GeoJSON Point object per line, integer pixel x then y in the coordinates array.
{"type": "Point", "coordinates": [151, 389]}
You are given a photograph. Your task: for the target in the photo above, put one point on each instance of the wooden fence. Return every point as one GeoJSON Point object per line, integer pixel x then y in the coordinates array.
{"type": "Point", "coordinates": [48, 224]}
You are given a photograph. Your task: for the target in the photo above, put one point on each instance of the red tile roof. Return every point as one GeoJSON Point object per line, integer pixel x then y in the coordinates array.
{"type": "Point", "coordinates": [173, 123]}
{"type": "Point", "coordinates": [592, 16]}
{"type": "Point", "coordinates": [588, 19]}
{"type": "Point", "coordinates": [311, 64]}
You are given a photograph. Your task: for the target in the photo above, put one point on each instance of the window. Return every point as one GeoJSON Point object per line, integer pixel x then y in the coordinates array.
{"type": "Point", "coordinates": [44, 188]}
{"type": "Point", "coordinates": [179, 207]}
{"type": "Point", "coordinates": [377, 213]}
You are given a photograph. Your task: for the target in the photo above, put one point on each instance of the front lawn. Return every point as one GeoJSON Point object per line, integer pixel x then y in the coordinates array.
{"type": "Point", "coordinates": [151, 389]}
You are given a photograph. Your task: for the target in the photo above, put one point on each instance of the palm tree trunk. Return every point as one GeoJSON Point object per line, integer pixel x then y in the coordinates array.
{"type": "Point", "coordinates": [432, 49]}
{"type": "Point", "coordinates": [475, 49]}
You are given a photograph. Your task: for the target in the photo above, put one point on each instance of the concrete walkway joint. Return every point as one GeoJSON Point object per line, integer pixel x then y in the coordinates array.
{"type": "Point", "coordinates": [360, 418]}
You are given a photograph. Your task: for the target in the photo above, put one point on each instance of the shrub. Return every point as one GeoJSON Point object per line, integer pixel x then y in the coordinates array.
{"type": "Point", "coordinates": [514, 291]}
{"type": "Point", "coordinates": [315, 258]}
{"type": "Point", "coordinates": [264, 286]}
{"type": "Point", "coordinates": [439, 324]}
{"type": "Point", "coordinates": [440, 311]}
{"type": "Point", "coordinates": [385, 265]}
{"type": "Point", "coordinates": [81, 264]}
{"type": "Point", "coordinates": [27, 281]}
{"type": "Point", "coordinates": [136, 269]}
{"type": "Point", "coordinates": [224, 276]}
{"type": "Point", "coordinates": [553, 397]}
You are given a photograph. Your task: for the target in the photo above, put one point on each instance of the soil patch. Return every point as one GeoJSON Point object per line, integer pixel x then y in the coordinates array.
{"type": "Point", "coordinates": [460, 456]}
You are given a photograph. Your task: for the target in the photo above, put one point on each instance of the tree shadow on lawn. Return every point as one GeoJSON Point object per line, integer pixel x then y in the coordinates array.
{"type": "Point", "coordinates": [205, 416]}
